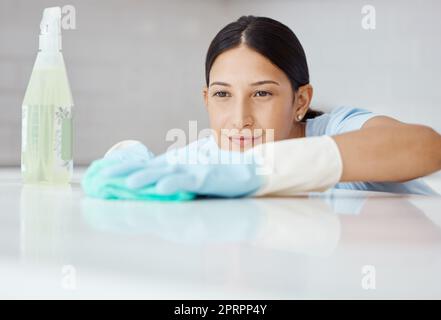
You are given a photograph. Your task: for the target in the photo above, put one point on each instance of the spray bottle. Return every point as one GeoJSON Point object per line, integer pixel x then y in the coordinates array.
{"type": "Point", "coordinates": [46, 153]}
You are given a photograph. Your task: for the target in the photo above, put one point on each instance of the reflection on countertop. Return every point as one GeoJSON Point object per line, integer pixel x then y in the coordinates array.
{"type": "Point", "coordinates": [312, 245]}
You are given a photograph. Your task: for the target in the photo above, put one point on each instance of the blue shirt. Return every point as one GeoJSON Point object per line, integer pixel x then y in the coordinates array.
{"type": "Point", "coordinates": [344, 119]}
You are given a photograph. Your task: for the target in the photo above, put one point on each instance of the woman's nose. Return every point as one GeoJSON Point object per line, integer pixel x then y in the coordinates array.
{"type": "Point", "coordinates": [243, 117]}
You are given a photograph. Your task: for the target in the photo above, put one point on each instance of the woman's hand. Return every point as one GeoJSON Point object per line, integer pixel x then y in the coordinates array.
{"type": "Point", "coordinates": [233, 177]}
{"type": "Point", "coordinates": [284, 167]}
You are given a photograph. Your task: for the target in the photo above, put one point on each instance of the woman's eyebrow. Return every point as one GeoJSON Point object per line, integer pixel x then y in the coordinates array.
{"type": "Point", "coordinates": [220, 84]}
{"type": "Point", "coordinates": [258, 83]}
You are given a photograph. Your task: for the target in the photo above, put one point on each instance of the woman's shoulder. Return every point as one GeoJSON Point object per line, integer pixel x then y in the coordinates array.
{"type": "Point", "coordinates": [338, 120]}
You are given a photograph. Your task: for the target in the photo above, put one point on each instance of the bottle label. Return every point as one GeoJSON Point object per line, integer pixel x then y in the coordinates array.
{"type": "Point", "coordinates": [63, 136]}
{"type": "Point", "coordinates": [66, 139]}
{"type": "Point", "coordinates": [47, 142]}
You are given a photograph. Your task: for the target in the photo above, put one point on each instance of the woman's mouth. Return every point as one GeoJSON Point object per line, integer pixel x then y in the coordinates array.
{"type": "Point", "coordinates": [244, 140]}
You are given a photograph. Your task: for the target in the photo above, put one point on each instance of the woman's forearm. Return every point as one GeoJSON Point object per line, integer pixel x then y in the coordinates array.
{"type": "Point", "coordinates": [389, 153]}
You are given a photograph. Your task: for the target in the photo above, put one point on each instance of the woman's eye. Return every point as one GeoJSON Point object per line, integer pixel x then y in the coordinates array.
{"type": "Point", "coordinates": [221, 94]}
{"type": "Point", "coordinates": [262, 93]}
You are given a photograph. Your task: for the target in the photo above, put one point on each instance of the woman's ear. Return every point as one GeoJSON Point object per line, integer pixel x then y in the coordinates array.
{"type": "Point", "coordinates": [303, 99]}
{"type": "Point", "coordinates": [205, 96]}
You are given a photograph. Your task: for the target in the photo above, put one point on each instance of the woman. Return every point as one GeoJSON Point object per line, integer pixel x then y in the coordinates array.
{"type": "Point", "coordinates": [257, 90]}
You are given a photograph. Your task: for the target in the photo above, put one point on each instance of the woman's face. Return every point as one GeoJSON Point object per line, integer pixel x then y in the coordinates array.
{"type": "Point", "coordinates": [248, 97]}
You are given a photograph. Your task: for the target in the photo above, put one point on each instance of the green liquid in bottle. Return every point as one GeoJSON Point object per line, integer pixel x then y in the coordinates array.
{"type": "Point", "coordinates": [47, 124]}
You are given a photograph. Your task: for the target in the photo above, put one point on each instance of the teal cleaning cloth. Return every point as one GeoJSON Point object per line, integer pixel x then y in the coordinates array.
{"type": "Point", "coordinates": [114, 188]}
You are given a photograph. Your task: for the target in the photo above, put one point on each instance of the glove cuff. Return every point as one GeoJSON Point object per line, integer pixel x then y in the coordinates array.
{"type": "Point", "coordinates": [298, 165]}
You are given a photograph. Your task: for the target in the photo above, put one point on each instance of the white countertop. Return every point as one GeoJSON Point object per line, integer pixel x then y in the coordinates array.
{"type": "Point", "coordinates": [57, 243]}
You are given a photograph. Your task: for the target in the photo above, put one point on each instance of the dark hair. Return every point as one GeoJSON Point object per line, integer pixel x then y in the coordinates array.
{"type": "Point", "coordinates": [270, 38]}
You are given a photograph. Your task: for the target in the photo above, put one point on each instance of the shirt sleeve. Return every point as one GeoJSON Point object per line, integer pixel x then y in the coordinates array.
{"type": "Point", "coordinates": [345, 119]}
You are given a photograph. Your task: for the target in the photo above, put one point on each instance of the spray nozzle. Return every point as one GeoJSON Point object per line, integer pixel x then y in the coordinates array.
{"type": "Point", "coordinates": [50, 26]}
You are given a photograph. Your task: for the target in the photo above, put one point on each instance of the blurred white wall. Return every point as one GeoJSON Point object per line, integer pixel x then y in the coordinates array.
{"type": "Point", "coordinates": [137, 67]}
